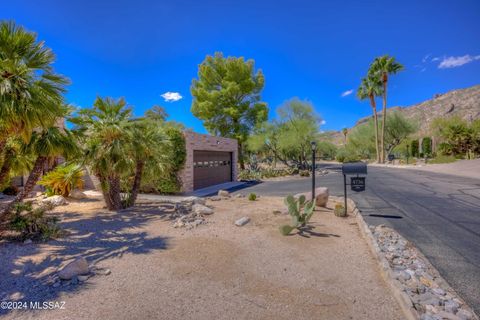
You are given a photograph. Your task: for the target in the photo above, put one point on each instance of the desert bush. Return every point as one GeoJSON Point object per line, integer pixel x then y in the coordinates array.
{"type": "Point", "coordinates": [300, 210]}
{"type": "Point", "coordinates": [252, 197]}
{"type": "Point", "coordinates": [304, 173]}
{"type": "Point", "coordinates": [340, 210]}
{"type": "Point", "coordinates": [427, 146]}
{"type": "Point", "coordinates": [63, 179]}
{"type": "Point", "coordinates": [33, 224]}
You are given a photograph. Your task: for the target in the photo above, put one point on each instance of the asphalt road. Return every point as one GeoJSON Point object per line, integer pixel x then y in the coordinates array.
{"type": "Point", "coordinates": [439, 213]}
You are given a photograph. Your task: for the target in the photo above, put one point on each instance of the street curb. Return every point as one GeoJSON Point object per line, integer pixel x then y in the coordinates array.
{"type": "Point", "coordinates": [385, 270]}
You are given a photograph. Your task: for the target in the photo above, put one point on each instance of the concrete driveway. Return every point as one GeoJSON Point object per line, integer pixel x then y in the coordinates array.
{"type": "Point", "coordinates": [439, 213]}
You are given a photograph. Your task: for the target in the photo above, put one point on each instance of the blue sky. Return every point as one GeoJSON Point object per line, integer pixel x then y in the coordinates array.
{"type": "Point", "coordinates": [315, 50]}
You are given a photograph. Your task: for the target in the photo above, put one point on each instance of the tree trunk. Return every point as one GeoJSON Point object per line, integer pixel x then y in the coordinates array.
{"type": "Point", "coordinates": [137, 181]}
{"type": "Point", "coordinates": [32, 180]}
{"type": "Point", "coordinates": [106, 194]}
{"type": "Point", "coordinates": [3, 143]}
{"type": "Point", "coordinates": [114, 193]}
{"type": "Point", "coordinates": [384, 120]}
{"type": "Point", "coordinates": [240, 156]}
{"type": "Point", "coordinates": [375, 120]}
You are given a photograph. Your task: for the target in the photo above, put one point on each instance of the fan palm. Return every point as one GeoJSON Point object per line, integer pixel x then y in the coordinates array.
{"type": "Point", "coordinates": [370, 88]}
{"type": "Point", "coordinates": [46, 145]}
{"type": "Point", "coordinates": [30, 90]}
{"type": "Point", "coordinates": [105, 134]}
{"type": "Point", "coordinates": [382, 67]}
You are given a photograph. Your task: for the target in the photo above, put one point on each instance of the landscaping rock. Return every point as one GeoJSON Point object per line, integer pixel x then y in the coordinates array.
{"type": "Point", "coordinates": [194, 200]}
{"type": "Point", "coordinates": [321, 196]}
{"type": "Point", "coordinates": [242, 221]}
{"type": "Point", "coordinates": [77, 194]}
{"type": "Point", "coordinates": [55, 201]}
{"type": "Point", "coordinates": [223, 193]}
{"type": "Point", "coordinates": [201, 209]}
{"type": "Point", "coordinates": [83, 278]}
{"type": "Point", "coordinates": [215, 198]}
{"type": "Point", "coordinates": [28, 241]}
{"type": "Point", "coordinates": [75, 268]}
{"type": "Point", "coordinates": [239, 195]}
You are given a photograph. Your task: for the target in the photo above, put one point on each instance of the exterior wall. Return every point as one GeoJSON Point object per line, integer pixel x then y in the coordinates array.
{"type": "Point", "coordinates": [197, 141]}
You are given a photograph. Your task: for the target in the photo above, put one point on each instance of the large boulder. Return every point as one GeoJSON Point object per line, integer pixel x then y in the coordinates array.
{"type": "Point", "coordinates": [54, 201]}
{"type": "Point", "coordinates": [321, 196]}
{"type": "Point", "coordinates": [77, 194]}
{"type": "Point", "coordinates": [201, 209]}
{"type": "Point", "coordinates": [223, 193]}
{"type": "Point", "coordinates": [75, 268]}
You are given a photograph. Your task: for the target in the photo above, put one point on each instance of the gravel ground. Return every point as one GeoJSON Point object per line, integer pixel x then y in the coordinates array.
{"type": "Point", "coordinates": [215, 271]}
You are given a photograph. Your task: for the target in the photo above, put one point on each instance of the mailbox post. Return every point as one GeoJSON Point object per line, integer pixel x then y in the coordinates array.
{"type": "Point", "coordinates": [357, 183]}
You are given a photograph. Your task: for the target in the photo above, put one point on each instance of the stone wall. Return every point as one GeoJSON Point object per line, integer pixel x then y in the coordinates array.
{"type": "Point", "coordinates": [197, 141]}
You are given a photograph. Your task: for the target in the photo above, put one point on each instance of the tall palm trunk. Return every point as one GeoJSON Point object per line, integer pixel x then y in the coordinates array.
{"type": "Point", "coordinates": [375, 121]}
{"type": "Point", "coordinates": [32, 180]}
{"type": "Point", "coordinates": [137, 181]}
{"type": "Point", "coordinates": [114, 193]}
{"type": "Point", "coordinates": [104, 187]}
{"type": "Point", "coordinates": [384, 119]}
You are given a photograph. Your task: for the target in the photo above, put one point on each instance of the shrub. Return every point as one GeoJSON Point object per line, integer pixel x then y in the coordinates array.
{"type": "Point", "coordinates": [414, 148]}
{"type": "Point", "coordinates": [33, 224]}
{"type": "Point", "coordinates": [300, 210]}
{"type": "Point", "coordinates": [252, 197]}
{"type": "Point", "coordinates": [427, 146]}
{"type": "Point", "coordinates": [304, 173]}
{"type": "Point", "coordinates": [169, 185]}
{"type": "Point", "coordinates": [340, 210]}
{"type": "Point", "coordinates": [10, 191]}
{"type": "Point", "coordinates": [63, 179]}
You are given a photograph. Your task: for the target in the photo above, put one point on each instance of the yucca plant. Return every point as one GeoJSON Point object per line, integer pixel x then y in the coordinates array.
{"type": "Point", "coordinates": [63, 179]}
{"type": "Point", "coordinates": [300, 210]}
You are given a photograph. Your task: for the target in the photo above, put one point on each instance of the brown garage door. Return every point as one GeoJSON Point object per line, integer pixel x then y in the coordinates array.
{"type": "Point", "coordinates": [210, 168]}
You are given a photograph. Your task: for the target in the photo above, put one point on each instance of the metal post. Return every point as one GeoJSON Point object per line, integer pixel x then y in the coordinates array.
{"type": "Point", "coordinates": [345, 191]}
{"type": "Point", "coordinates": [313, 175]}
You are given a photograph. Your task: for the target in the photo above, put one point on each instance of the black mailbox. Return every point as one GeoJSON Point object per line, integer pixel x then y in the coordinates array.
{"type": "Point", "coordinates": [355, 168]}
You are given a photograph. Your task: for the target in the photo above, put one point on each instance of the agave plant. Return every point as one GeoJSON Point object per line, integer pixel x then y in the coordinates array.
{"type": "Point", "coordinates": [300, 210]}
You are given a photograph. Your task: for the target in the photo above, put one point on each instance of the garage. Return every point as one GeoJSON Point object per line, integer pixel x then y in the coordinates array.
{"type": "Point", "coordinates": [211, 168]}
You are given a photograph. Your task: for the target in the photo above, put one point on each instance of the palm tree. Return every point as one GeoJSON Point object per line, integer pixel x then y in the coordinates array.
{"type": "Point", "coordinates": [30, 90]}
{"type": "Point", "coordinates": [105, 134]}
{"type": "Point", "coordinates": [46, 145]}
{"type": "Point", "coordinates": [370, 88]}
{"type": "Point", "coordinates": [382, 67]}
{"type": "Point", "coordinates": [345, 132]}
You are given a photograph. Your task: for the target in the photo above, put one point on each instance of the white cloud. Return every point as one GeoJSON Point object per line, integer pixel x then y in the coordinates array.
{"type": "Point", "coordinates": [453, 62]}
{"type": "Point", "coordinates": [323, 122]}
{"type": "Point", "coordinates": [347, 93]}
{"type": "Point", "coordinates": [436, 59]}
{"type": "Point", "coordinates": [425, 58]}
{"type": "Point", "coordinates": [171, 96]}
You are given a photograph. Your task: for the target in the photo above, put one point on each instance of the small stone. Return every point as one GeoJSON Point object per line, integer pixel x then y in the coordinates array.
{"type": "Point", "coordinates": [77, 267]}
{"type": "Point", "coordinates": [83, 278]}
{"type": "Point", "coordinates": [223, 193]}
{"type": "Point", "coordinates": [107, 272]}
{"type": "Point", "coordinates": [451, 306]}
{"type": "Point", "coordinates": [54, 201]}
{"type": "Point", "coordinates": [447, 315]}
{"type": "Point", "coordinates": [201, 209]}
{"type": "Point", "coordinates": [215, 198]}
{"type": "Point", "coordinates": [56, 284]}
{"type": "Point", "coordinates": [239, 195]}
{"type": "Point", "coordinates": [438, 291]}
{"type": "Point", "coordinates": [426, 281]}
{"type": "Point", "coordinates": [28, 241]}
{"type": "Point", "coordinates": [77, 194]}
{"type": "Point", "coordinates": [464, 314]}
{"type": "Point", "coordinates": [242, 221]}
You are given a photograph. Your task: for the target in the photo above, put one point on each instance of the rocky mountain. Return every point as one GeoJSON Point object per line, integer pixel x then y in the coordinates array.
{"type": "Point", "coordinates": [464, 103]}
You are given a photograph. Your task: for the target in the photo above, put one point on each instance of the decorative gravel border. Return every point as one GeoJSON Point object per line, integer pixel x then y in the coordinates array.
{"type": "Point", "coordinates": [417, 286]}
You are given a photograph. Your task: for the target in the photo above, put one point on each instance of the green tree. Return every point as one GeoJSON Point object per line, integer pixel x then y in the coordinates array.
{"type": "Point", "coordinates": [381, 68]}
{"type": "Point", "coordinates": [370, 88]}
{"type": "Point", "coordinates": [46, 145]}
{"type": "Point", "coordinates": [226, 96]}
{"type": "Point", "coordinates": [288, 137]}
{"type": "Point", "coordinates": [459, 137]}
{"type": "Point", "coordinates": [30, 90]}
{"type": "Point", "coordinates": [104, 132]}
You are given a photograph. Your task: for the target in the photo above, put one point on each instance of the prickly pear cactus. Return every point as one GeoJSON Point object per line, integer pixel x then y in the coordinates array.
{"type": "Point", "coordinates": [300, 210]}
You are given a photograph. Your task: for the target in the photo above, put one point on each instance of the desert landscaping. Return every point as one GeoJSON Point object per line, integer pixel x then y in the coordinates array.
{"type": "Point", "coordinates": [214, 270]}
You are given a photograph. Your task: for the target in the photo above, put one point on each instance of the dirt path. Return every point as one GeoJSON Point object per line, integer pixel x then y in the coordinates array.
{"type": "Point", "coordinates": [216, 271]}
